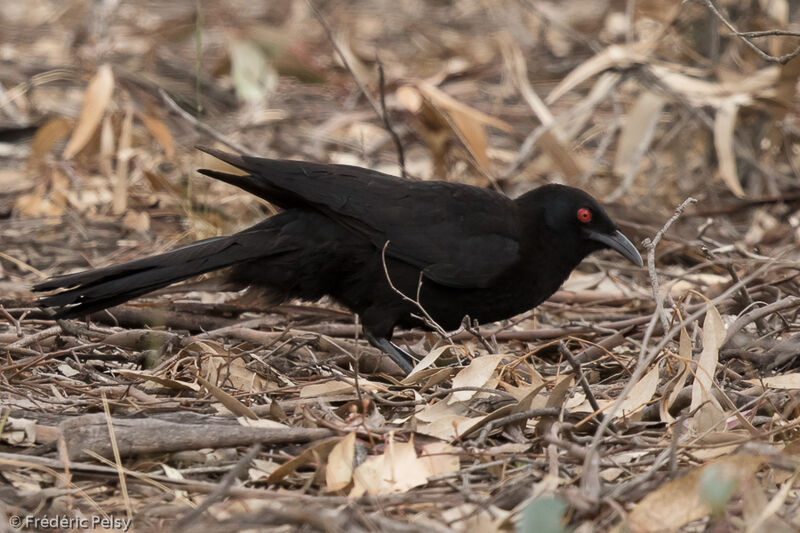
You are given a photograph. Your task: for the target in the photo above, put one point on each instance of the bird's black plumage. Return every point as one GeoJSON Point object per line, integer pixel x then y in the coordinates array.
{"type": "Point", "coordinates": [479, 253]}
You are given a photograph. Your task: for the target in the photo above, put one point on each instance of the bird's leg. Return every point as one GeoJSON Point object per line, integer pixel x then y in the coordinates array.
{"type": "Point", "coordinates": [403, 359]}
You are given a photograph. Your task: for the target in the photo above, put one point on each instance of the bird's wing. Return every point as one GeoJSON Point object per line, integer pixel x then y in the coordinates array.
{"type": "Point", "coordinates": [459, 236]}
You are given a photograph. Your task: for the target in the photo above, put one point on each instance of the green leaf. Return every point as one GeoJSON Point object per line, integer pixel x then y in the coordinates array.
{"type": "Point", "coordinates": [716, 488]}
{"type": "Point", "coordinates": [543, 515]}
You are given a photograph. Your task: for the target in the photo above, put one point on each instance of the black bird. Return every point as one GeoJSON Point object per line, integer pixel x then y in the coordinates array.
{"type": "Point", "coordinates": [346, 231]}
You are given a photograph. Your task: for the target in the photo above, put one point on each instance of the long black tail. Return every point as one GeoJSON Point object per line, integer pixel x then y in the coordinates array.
{"type": "Point", "coordinates": [94, 290]}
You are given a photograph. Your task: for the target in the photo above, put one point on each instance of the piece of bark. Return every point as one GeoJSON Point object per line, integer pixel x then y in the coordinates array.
{"type": "Point", "coordinates": [136, 436]}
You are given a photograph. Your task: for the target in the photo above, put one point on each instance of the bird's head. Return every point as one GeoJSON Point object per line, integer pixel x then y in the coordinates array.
{"type": "Point", "coordinates": [580, 221]}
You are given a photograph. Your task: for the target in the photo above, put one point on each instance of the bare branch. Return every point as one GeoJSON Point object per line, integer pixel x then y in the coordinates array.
{"type": "Point", "coordinates": [426, 318]}
{"type": "Point", "coordinates": [651, 260]}
{"type": "Point", "coordinates": [401, 156]}
{"type": "Point", "coordinates": [379, 109]}
{"type": "Point", "coordinates": [581, 378]}
{"type": "Point", "coordinates": [768, 33]}
{"type": "Point", "coordinates": [746, 35]}
{"type": "Point", "coordinates": [646, 358]}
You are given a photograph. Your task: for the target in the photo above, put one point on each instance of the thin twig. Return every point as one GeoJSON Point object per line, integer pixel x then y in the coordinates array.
{"type": "Point", "coordinates": [767, 33]}
{"type": "Point", "coordinates": [673, 448]}
{"type": "Point", "coordinates": [515, 417]}
{"type": "Point", "coordinates": [401, 156]}
{"type": "Point", "coordinates": [746, 299]}
{"type": "Point", "coordinates": [528, 147]}
{"type": "Point", "coordinates": [222, 488]}
{"type": "Point", "coordinates": [13, 321]}
{"type": "Point", "coordinates": [356, 357]}
{"type": "Point", "coordinates": [379, 109]}
{"type": "Point", "coordinates": [646, 76]}
{"type": "Point", "coordinates": [473, 328]}
{"type": "Point", "coordinates": [651, 260]}
{"type": "Point", "coordinates": [561, 27]}
{"type": "Point", "coordinates": [757, 314]}
{"type": "Point", "coordinates": [562, 348]}
{"type": "Point", "coordinates": [645, 360]}
{"type": "Point", "coordinates": [34, 338]}
{"type": "Point", "coordinates": [744, 36]}
{"type": "Point", "coordinates": [203, 127]}
{"type": "Point", "coordinates": [426, 318]}
{"type": "Point", "coordinates": [123, 485]}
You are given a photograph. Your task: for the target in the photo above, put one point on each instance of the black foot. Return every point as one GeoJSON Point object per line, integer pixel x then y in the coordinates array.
{"type": "Point", "coordinates": [402, 358]}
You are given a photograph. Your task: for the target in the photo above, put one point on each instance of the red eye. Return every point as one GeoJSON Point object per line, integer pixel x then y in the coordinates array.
{"type": "Point", "coordinates": [584, 215]}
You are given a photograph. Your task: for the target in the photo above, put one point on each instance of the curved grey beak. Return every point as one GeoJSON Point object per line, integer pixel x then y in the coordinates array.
{"type": "Point", "coordinates": [619, 243]}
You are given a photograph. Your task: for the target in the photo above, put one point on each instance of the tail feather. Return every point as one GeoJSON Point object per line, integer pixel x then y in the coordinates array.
{"type": "Point", "coordinates": [232, 159]}
{"type": "Point", "coordinates": [99, 289]}
{"type": "Point", "coordinates": [252, 182]}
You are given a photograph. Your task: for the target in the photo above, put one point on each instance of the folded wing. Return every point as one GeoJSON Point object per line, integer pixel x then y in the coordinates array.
{"type": "Point", "coordinates": [468, 239]}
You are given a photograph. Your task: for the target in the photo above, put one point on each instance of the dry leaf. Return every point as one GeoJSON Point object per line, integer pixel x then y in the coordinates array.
{"type": "Point", "coordinates": [610, 474]}
{"type": "Point", "coordinates": [445, 421]}
{"type": "Point", "coordinates": [136, 221]}
{"type": "Point", "coordinates": [476, 374]}
{"type": "Point", "coordinates": [260, 423]}
{"type": "Point", "coordinates": [559, 393]}
{"type": "Point", "coordinates": [766, 520]}
{"type": "Point", "coordinates": [706, 454]}
{"type": "Point", "coordinates": [637, 133]}
{"type": "Point", "coordinates": [441, 112]}
{"type": "Point", "coordinates": [430, 376]}
{"type": "Point", "coordinates": [524, 404]}
{"type": "Point", "coordinates": [785, 381]}
{"type": "Point", "coordinates": [449, 427]}
{"type": "Point", "coordinates": [261, 469]}
{"type": "Point", "coordinates": [724, 126]}
{"type": "Point", "coordinates": [701, 92]}
{"type": "Point", "coordinates": [708, 411]}
{"type": "Point", "coordinates": [166, 382]}
{"type": "Point", "coordinates": [95, 101]}
{"type": "Point", "coordinates": [440, 458]}
{"type": "Point", "coordinates": [675, 385]}
{"type": "Point", "coordinates": [318, 450]}
{"type": "Point", "coordinates": [234, 370]}
{"type": "Point", "coordinates": [679, 502]}
{"type": "Point", "coordinates": [161, 133]}
{"type": "Point", "coordinates": [232, 404]}
{"type": "Point", "coordinates": [47, 136]}
{"type": "Point", "coordinates": [329, 388]}
{"type": "Point", "coordinates": [124, 153]}
{"type": "Point", "coordinates": [37, 205]}
{"type": "Point", "coordinates": [427, 361]}
{"type": "Point", "coordinates": [448, 103]}
{"type": "Point", "coordinates": [474, 137]}
{"type": "Point", "coordinates": [410, 98]}
{"type": "Point", "coordinates": [107, 148]}
{"type": "Point", "coordinates": [522, 392]}
{"type": "Point", "coordinates": [397, 470]}
{"type": "Point", "coordinates": [436, 410]}
{"type": "Point", "coordinates": [339, 470]}
{"type": "Point", "coordinates": [713, 337]}
{"type": "Point", "coordinates": [585, 111]}
{"type": "Point", "coordinates": [640, 394]}
{"type": "Point", "coordinates": [367, 478]}
{"type": "Point", "coordinates": [474, 518]}
{"type": "Point", "coordinates": [614, 56]}
{"type": "Point", "coordinates": [19, 431]}
{"type": "Point", "coordinates": [253, 75]}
